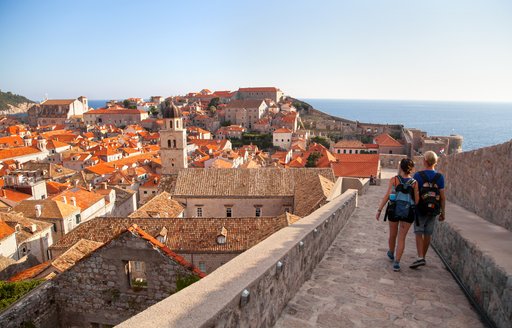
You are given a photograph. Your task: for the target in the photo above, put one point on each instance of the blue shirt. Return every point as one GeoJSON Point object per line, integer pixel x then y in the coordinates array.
{"type": "Point", "coordinates": [430, 174]}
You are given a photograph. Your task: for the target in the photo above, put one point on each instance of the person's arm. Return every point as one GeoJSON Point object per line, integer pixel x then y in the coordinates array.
{"type": "Point", "coordinates": [384, 200]}
{"type": "Point", "coordinates": [443, 205]}
{"type": "Point", "coordinates": [416, 193]}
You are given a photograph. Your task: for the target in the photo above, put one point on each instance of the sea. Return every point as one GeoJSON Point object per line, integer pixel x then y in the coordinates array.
{"type": "Point", "coordinates": [481, 124]}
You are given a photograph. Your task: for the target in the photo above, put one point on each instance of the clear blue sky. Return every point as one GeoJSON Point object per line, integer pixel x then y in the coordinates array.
{"type": "Point", "coordinates": [359, 49]}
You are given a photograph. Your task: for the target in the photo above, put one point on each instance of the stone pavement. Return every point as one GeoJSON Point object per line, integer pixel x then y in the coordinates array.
{"type": "Point", "coordinates": [355, 286]}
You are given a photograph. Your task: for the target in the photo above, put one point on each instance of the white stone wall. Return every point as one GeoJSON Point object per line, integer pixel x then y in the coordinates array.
{"type": "Point", "coordinates": [8, 247]}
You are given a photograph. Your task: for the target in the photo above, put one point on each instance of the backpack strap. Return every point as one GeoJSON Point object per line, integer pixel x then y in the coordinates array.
{"type": "Point", "coordinates": [436, 177]}
{"type": "Point", "coordinates": [424, 176]}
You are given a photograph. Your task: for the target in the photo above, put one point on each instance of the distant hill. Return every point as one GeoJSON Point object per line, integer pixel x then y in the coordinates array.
{"type": "Point", "coordinates": [11, 103]}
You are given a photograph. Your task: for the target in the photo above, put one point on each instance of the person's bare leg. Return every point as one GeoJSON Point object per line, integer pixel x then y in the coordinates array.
{"type": "Point", "coordinates": [393, 232]}
{"type": "Point", "coordinates": [419, 245]}
{"type": "Point", "coordinates": [402, 234]}
{"type": "Point", "coordinates": [426, 244]}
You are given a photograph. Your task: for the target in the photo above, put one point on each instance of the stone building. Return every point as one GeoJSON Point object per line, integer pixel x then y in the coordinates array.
{"type": "Point", "coordinates": [250, 192]}
{"type": "Point", "coordinates": [125, 276]}
{"type": "Point", "coordinates": [115, 115]}
{"type": "Point", "coordinates": [260, 93]}
{"type": "Point", "coordinates": [173, 141]}
{"type": "Point", "coordinates": [245, 112]}
{"type": "Point", "coordinates": [57, 111]}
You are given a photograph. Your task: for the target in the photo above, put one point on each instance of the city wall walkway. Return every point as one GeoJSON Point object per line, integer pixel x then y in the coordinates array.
{"type": "Point", "coordinates": [354, 284]}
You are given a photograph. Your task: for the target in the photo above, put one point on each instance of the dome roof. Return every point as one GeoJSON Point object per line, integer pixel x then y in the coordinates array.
{"type": "Point", "coordinates": [171, 111]}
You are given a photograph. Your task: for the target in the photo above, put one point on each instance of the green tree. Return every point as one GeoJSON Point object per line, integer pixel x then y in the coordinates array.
{"type": "Point", "coordinates": [321, 140]}
{"type": "Point", "coordinates": [214, 102]}
{"type": "Point", "coordinates": [10, 292]}
{"type": "Point", "coordinates": [225, 123]}
{"type": "Point", "coordinates": [126, 103]}
{"type": "Point", "coordinates": [153, 111]}
{"type": "Point", "coordinates": [312, 159]}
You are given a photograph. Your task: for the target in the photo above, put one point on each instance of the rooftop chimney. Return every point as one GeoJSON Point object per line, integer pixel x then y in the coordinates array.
{"type": "Point", "coordinates": [75, 182]}
{"type": "Point", "coordinates": [33, 228]}
{"type": "Point", "coordinates": [64, 200]}
{"type": "Point", "coordinates": [39, 210]}
{"type": "Point", "coordinates": [73, 201]}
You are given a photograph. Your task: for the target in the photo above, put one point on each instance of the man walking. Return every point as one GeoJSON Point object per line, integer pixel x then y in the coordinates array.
{"type": "Point", "coordinates": [430, 207]}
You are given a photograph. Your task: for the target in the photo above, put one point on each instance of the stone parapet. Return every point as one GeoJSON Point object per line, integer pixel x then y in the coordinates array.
{"type": "Point", "coordinates": [35, 309]}
{"type": "Point", "coordinates": [479, 254]}
{"type": "Point", "coordinates": [480, 181]}
{"type": "Point", "coordinates": [215, 301]}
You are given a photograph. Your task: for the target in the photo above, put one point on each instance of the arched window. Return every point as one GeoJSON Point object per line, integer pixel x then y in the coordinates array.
{"type": "Point", "coordinates": [168, 143]}
{"type": "Point", "coordinates": [170, 124]}
{"type": "Point", "coordinates": [174, 144]}
{"type": "Point", "coordinates": [177, 124]}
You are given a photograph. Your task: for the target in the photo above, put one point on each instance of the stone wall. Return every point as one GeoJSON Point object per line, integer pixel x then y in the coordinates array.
{"type": "Point", "coordinates": [211, 261]}
{"type": "Point", "coordinates": [97, 289]}
{"type": "Point", "coordinates": [390, 161]}
{"type": "Point", "coordinates": [479, 253]}
{"type": "Point", "coordinates": [36, 309]}
{"type": "Point", "coordinates": [480, 181]}
{"type": "Point", "coordinates": [215, 301]}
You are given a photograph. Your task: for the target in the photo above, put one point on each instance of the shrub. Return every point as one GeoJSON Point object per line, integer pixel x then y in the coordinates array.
{"type": "Point", "coordinates": [10, 292]}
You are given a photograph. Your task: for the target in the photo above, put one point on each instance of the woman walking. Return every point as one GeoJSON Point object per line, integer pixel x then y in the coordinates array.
{"type": "Point", "coordinates": [402, 196]}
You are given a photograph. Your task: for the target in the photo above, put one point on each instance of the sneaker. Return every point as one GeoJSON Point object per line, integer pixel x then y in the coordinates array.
{"type": "Point", "coordinates": [417, 263]}
{"type": "Point", "coordinates": [396, 266]}
{"type": "Point", "coordinates": [390, 255]}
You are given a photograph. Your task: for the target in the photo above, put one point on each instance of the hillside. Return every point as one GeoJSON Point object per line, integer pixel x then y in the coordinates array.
{"type": "Point", "coordinates": [308, 112]}
{"type": "Point", "coordinates": [11, 103]}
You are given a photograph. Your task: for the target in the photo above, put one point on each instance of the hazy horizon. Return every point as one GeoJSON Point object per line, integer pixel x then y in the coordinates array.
{"type": "Point", "coordinates": [367, 50]}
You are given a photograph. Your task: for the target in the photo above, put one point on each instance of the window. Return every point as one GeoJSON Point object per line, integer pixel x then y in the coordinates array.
{"type": "Point", "coordinates": [136, 272]}
{"type": "Point", "coordinates": [199, 212]}
{"type": "Point", "coordinates": [169, 143]}
{"type": "Point", "coordinates": [258, 211]}
{"type": "Point", "coordinates": [55, 227]}
{"type": "Point", "coordinates": [287, 209]}
{"type": "Point", "coordinates": [350, 151]}
{"type": "Point", "coordinates": [145, 192]}
{"type": "Point", "coordinates": [174, 144]}
{"type": "Point", "coordinates": [202, 266]}
{"type": "Point", "coordinates": [229, 212]}
{"type": "Point", "coordinates": [344, 151]}
{"type": "Point", "coordinates": [78, 219]}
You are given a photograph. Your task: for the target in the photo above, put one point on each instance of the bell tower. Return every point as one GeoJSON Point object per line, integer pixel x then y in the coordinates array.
{"type": "Point", "coordinates": [173, 141]}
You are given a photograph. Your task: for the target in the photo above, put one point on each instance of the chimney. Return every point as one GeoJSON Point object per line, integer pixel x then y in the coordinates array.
{"type": "Point", "coordinates": [155, 181]}
{"type": "Point", "coordinates": [104, 185]}
{"type": "Point", "coordinates": [89, 187]}
{"type": "Point", "coordinates": [64, 200]}
{"type": "Point", "coordinates": [75, 183]}
{"type": "Point", "coordinates": [73, 201]}
{"type": "Point", "coordinates": [39, 210]}
{"type": "Point", "coordinates": [33, 228]}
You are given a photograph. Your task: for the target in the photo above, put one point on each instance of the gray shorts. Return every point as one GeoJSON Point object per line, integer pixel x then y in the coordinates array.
{"type": "Point", "coordinates": [425, 224]}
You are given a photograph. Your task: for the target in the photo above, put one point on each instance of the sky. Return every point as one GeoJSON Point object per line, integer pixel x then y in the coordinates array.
{"type": "Point", "coordinates": [359, 49]}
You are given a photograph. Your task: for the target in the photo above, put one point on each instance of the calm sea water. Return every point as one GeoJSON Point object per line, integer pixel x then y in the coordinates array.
{"type": "Point", "coordinates": [481, 124]}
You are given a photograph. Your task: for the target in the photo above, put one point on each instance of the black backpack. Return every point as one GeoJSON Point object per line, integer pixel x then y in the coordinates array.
{"type": "Point", "coordinates": [430, 196]}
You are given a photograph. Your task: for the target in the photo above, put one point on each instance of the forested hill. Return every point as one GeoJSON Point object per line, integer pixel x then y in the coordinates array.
{"type": "Point", "coordinates": [10, 101]}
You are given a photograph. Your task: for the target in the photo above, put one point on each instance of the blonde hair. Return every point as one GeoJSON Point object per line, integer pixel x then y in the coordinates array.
{"type": "Point", "coordinates": [430, 157]}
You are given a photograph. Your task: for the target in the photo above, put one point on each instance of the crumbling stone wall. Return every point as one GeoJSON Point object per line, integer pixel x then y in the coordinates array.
{"type": "Point", "coordinates": [480, 181]}
{"type": "Point", "coordinates": [97, 289]}
{"type": "Point", "coordinates": [35, 309]}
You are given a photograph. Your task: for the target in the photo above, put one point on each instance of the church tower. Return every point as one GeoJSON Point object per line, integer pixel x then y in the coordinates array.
{"type": "Point", "coordinates": [173, 141]}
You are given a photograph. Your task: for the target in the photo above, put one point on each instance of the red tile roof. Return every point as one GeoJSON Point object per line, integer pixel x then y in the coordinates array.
{"type": "Point", "coordinates": [356, 165]}
{"type": "Point", "coordinates": [177, 258]}
{"type": "Point", "coordinates": [385, 140]}
{"type": "Point", "coordinates": [259, 89]}
{"type": "Point", "coordinates": [17, 152]}
{"type": "Point", "coordinates": [5, 230]}
{"type": "Point", "coordinates": [30, 272]}
{"type": "Point", "coordinates": [283, 130]}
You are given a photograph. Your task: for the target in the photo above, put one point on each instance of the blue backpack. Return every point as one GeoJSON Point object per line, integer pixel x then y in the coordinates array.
{"type": "Point", "coordinates": [404, 202]}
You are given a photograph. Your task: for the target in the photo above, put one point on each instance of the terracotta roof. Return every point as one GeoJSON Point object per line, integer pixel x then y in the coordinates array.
{"type": "Point", "coordinates": [53, 187]}
{"type": "Point", "coordinates": [50, 208]}
{"type": "Point", "coordinates": [5, 230]}
{"type": "Point", "coordinates": [311, 193]}
{"type": "Point", "coordinates": [259, 89]}
{"type": "Point", "coordinates": [114, 111]}
{"type": "Point", "coordinates": [14, 195]}
{"type": "Point", "coordinates": [160, 206]}
{"type": "Point", "coordinates": [349, 144]}
{"type": "Point", "coordinates": [243, 182]}
{"type": "Point", "coordinates": [27, 225]}
{"type": "Point", "coordinates": [185, 235]}
{"type": "Point", "coordinates": [356, 165]}
{"type": "Point", "coordinates": [30, 272]}
{"type": "Point", "coordinates": [385, 140]}
{"type": "Point", "coordinates": [179, 259]}
{"type": "Point", "coordinates": [53, 144]}
{"type": "Point", "coordinates": [247, 103]}
{"type": "Point", "coordinates": [84, 198]}
{"type": "Point", "coordinates": [75, 253]}
{"type": "Point", "coordinates": [12, 141]}
{"type": "Point", "coordinates": [17, 152]}
{"type": "Point", "coordinates": [283, 130]}
{"type": "Point", "coordinates": [57, 101]}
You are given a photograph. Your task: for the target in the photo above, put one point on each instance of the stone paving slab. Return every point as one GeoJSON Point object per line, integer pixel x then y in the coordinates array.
{"type": "Point", "coordinates": [355, 286]}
